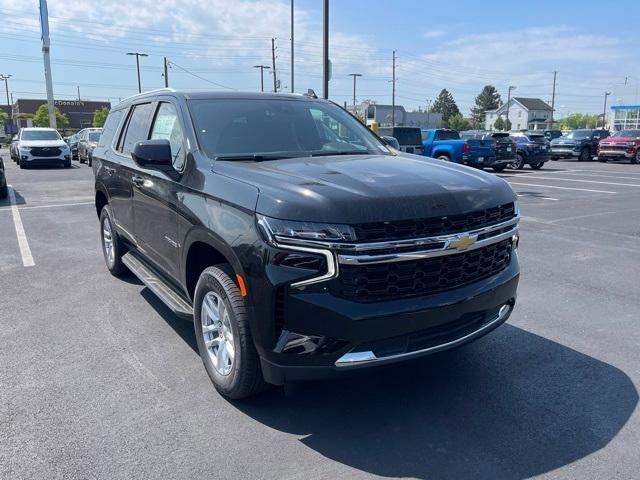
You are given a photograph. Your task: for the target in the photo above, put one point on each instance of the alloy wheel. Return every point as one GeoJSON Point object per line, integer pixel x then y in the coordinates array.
{"type": "Point", "coordinates": [217, 333]}
{"type": "Point", "coordinates": [107, 240]}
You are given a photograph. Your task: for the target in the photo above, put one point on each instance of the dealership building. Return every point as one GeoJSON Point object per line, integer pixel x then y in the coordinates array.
{"type": "Point", "coordinates": [79, 112]}
{"type": "Point", "coordinates": [623, 112]}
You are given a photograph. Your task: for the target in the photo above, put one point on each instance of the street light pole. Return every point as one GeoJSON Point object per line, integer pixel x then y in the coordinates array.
{"type": "Point", "coordinates": [354, 75]}
{"type": "Point", "coordinates": [511, 87]}
{"type": "Point", "coordinates": [325, 49]}
{"type": "Point", "coordinates": [138, 55]}
{"type": "Point", "coordinates": [262, 69]}
{"type": "Point", "coordinates": [6, 88]}
{"type": "Point", "coordinates": [604, 110]}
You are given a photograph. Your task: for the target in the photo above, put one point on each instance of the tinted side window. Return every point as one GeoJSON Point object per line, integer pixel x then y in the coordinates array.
{"type": "Point", "coordinates": [167, 126]}
{"type": "Point", "coordinates": [110, 127]}
{"type": "Point", "coordinates": [138, 127]}
{"type": "Point", "coordinates": [426, 135]}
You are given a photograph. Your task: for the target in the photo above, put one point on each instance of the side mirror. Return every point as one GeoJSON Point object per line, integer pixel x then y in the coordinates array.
{"type": "Point", "coordinates": [153, 154]}
{"type": "Point", "coordinates": [391, 142]}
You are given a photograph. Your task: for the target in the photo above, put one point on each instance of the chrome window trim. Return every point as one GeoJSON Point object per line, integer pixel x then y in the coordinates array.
{"type": "Point", "coordinates": [352, 359]}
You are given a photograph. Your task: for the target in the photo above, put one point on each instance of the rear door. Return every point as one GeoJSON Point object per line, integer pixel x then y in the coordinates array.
{"type": "Point", "coordinates": [154, 194]}
{"type": "Point", "coordinates": [121, 192]}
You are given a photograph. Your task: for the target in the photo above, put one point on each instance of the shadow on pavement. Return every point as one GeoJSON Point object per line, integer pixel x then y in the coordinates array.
{"type": "Point", "coordinates": [20, 200]}
{"type": "Point", "coordinates": [510, 406]}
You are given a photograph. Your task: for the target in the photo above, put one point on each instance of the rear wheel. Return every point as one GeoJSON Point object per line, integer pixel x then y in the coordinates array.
{"type": "Point", "coordinates": [537, 166]}
{"type": "Point", "coordinates": [444, 158]}
{"type": "Point", "coordinates": [518, 164]}
{"type": "Point", "coordinates": [602, 159]}
{"type": "Point", "coordinates": [499, 168]}
{"type": "Point", "coordinates": [224, 338]}
{"type": "Point", "coordinates": [112, 246]}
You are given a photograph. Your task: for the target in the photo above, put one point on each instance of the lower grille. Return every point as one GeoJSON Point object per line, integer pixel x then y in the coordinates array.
{"type": "Point", "coordinates": [388, 281]}
{"type": "Point", "coordinates": [45, 152]}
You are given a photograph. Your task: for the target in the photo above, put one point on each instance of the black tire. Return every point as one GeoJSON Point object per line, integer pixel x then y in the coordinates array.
{"type": "Point", "coordinates": [22, 165]}
{"type": "Point", "coordinates": [90, 161]}
{"type": "Point", "coordinates": [114, 263]}
{"type": "Point", "coordinates": [67, 164]}
{"type": "Point", "coordinates": [499, 168]}
{"type": "Point", "coordinates": [245, 376]}
{"type": "Point", "coordinates": [585, 156]}
{"type": "Point", "coordinates": [518, 164]}
{"type": "Point", "coordinates": [636, 159]}
{"type": "Point", "coordinates": [602, 159]}
{"type": "Point", "coordinates": [555, 159]}
{"type": "Point", "coordinates": [537, 166]}
{"type": "Point", "coordinates": [444, 158]}
{"type": "Point", "coordinates": [4, 191]}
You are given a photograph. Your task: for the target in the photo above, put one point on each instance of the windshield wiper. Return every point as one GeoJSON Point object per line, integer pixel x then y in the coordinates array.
{"type": "Point", "coordinates": [343, 152]}
{"type": "Point", "coordinates": [257, 157]}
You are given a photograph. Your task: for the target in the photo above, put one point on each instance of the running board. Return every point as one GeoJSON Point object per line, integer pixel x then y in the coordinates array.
{"type": "Point", "coordinates": [159, 287]}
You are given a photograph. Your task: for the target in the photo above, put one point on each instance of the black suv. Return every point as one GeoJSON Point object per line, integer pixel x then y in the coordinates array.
{"type": "Point", "coordinates": [299, 253]}
{"type": "Point", "coordinates": [581, 144]}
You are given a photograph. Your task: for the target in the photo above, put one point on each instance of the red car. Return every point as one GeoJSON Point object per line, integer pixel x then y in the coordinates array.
{"type": "Point", "coordinates": [621, 145]}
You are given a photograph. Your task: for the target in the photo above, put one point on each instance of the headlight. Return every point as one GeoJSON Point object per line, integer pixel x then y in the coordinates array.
{"type": "Point", "coordinates": [322, 232]}
{"type": "Point", "coordinates": [24, 149]}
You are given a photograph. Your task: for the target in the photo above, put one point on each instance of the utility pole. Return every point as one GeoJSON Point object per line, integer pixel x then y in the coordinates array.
{"type": "Point", "coordinates": [604, 110]}
{"type": "Point", "coordinates": [393, 92]}
{"type": "Point", "coordinates": [138, 55]}
{"type": "Point", "coordinates": [166, 73]}
{"type": "Point", "coordinates": [325, 49]}
{"type": "Point", "coordinates": [46, 46]}
{"type": "Point", "coordinates": [292, 32]}
{"type": "Point", "coordinates": [78, 87]}
{"type": "Point", "coordinates": [354, 75]}
{"type": "Point", "coordinates": [553, 96]}
{"type": "Point", "coordinates": [262, 69]}
{"type": "Point", "coordinates": [6, 88]}
{"type": "Point", "coordinates": [511, 87]}
{"type": "Point", "coordinates": [273, 62]}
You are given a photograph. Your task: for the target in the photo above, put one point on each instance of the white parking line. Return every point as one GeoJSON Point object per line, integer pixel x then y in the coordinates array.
{"type": "Point", "coordinates": [25, 251]}
{"type": "Point", "coordinates": [580, 180]}
{"type": "Point", "coordinates": [50, 206]}
{"type": "Point", "coordinates": [622, 176]}
{"type": "Point", "coordinates": [536, 196]}
{"type": "Point", "coordinates": [561, 188]}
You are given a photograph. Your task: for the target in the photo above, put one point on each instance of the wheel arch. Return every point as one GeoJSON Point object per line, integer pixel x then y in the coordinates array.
{"type": "Point", "coordinates": [101, 199]}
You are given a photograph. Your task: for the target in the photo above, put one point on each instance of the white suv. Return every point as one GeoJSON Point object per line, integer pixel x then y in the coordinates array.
{"type": "Point", "coordinates": [42, 146]}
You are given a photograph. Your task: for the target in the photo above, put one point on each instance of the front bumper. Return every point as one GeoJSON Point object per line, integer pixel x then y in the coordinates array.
{"type": "Point", "coordinates": [564, 152]}
{"type": "Point", "coordinates": [619, 154]}
{"type": "Point", "coordinates": [486, 161]}
{"type": "Point", "coordinates": [29, 159]}
{"type": "Point", "coordinates": [321, 335]}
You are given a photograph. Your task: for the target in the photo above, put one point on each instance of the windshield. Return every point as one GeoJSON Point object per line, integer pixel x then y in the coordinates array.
{"type": "Point", "coordinates": [94, 136]}
{"type": "Point", "coordinates": [578, 134]}
{"type": "Point", "coordinates": [627, 134]}
{"type": "Point", "coordinates": [280, 128]}
{"type": "Point", "coordinates": [40, 135]}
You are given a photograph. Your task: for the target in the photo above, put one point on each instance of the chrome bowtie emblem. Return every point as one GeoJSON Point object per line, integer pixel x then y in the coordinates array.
{"type": "Point", "coordinates": [462, 243]}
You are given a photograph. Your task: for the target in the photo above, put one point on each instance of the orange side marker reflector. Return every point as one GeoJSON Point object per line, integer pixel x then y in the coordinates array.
{"type": "Point", "coordinates": [241, 285]}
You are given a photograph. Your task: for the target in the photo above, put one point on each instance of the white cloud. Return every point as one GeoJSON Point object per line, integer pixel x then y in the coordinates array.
{"type": "Point", "coordinates": [433, 34]}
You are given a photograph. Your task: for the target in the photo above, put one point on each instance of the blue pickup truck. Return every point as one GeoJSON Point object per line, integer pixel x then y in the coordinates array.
{"type": "Point", "coordinates": [480, 151]}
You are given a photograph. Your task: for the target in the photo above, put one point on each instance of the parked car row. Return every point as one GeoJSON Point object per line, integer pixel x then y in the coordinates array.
{"type": "Point", "coordinates": [83, 143]}
{"type": "Point", "coordinates": [40, 147]}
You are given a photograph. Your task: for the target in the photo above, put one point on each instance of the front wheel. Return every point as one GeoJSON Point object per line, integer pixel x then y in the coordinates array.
{"type": "Point", "coordinates": [584, 155]}
{"type": "Point", "coordinates": [518, 164]}
{"type": "Point", "coordinates": [537, 166]}
{"type": "Point", "coordinates": [4, 191]}
{"type": "Point", "coordinates": [602, 159]}
{"type": "Point", "coordinates": [224, 337]}
{"type": "Point", "coordinates": [636, 158]}
{"type": "Point", "coordinates": [499, 168]}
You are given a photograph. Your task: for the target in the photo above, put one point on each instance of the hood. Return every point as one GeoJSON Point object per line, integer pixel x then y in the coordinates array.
{"type": "Point", "coordinates": [42, 143]}
{"type": "Point", "coordinates": [614, 140]}
{"type": "Point", "coordinates": [355, 189]}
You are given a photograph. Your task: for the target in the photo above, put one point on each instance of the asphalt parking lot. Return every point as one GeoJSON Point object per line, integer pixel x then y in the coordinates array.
{"type": "Point", "coordinates": [99, 380]}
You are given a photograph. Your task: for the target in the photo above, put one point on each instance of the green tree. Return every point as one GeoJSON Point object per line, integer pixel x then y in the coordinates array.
{"type": "Point", "coordinates": [41, 117]}
{"type": "Point", "coordinates": [4, 117]}
{"type": "Point", "coordinates": [99, 117]}
{"type": "Point", "coordinates": [579, 120]}
{"type": "Point", "coordinates": [487, 99]}
{"type": "Point", "coordinates": [446, 105]}
{"type": "Point", "coordinates": [499, 124]}
{"type": "Point", "coordinates": [458, 122]}
{"type": "Point", "coordinates": [507, 124]}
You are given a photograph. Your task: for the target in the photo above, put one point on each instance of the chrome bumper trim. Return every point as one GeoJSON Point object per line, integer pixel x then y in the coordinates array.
{"type": "Point", "coordinates": [352, 359]}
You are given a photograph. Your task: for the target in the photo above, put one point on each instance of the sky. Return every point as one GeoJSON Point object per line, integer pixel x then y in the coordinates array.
{"type": "Point", "coordinates": [214, 44]}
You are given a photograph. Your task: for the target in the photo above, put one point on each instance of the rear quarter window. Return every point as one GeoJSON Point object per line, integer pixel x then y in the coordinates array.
{"type": "Point", "coordinates": [110, 127]}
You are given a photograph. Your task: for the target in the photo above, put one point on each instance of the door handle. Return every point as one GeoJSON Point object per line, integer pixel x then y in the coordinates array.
{"type": "Point", "coordinates": [137, 180]}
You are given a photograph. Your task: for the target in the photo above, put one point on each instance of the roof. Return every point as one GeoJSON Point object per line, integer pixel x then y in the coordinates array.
{"type": "Point", "coordinates": [532, 103]}
{"type": "Point", "coordinates": [212, 94]}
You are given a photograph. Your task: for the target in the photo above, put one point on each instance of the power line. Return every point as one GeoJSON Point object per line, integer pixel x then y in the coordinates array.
{"type": "Point", "coordinates": [201, 78]}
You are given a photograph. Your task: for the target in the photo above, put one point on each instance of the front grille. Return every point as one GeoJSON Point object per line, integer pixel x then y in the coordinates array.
{"type": "Point", "coordinates": [45, 152]}
{"type": "Point", "coordinates": [621, 148]}
{"type": "Point", "coordinates": [429, 227]}
{"type": "Point", "coordinates": [389, 281]}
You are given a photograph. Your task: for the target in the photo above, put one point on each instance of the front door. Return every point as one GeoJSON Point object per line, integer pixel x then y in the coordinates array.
{"type": "Point", "coordinates": [154, 195]}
